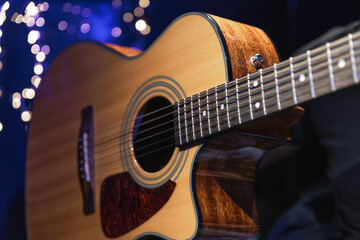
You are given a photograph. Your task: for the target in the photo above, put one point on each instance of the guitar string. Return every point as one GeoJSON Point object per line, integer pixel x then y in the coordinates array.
{"type": "Point", "coordinates": [325, 76]}
{"type": "Point", "coordinates": [264, 76]}
{"type": "Point", "coordinates": [280, 66]}
{"type": "Point", "coordinates": [115, 155]}
{"type": "Point", "coordinates": [253, 95]}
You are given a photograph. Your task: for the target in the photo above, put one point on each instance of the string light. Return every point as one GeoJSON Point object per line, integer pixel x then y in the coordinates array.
{"type": "Point", "coordinates": [38, 69]}
{"type": "Point", "coordinates": [76, 9]}
{"type": "Point", "coordinates": [32, 17]}
{"type": "Point", "coordinates": [44, 7]}
{"type": "Point", "coordinates": [19, 18]}
{"type": "Point", "coordinates": [116, 4]}
{"type": "Point", "coordinates": [16, 100]}
{"type": "Point", "coordinates": [67, 7]}
{"type": "Point", "coordinates": [63, 25]}
{"type": "Point", "coordinates": [40, 57]}
{"type": "Point", "coordinates": [26, 116]}
{"type": "Point", "coordinates": [35, 80]}
{"type": "Point", "coordinates": [33, 36]}
{"type": "Point", "coordinates": [86, 12]}
{"type": "Point", "coordinates": [31, 9]}
{"type": "Point", "coordinates": [40, 22]}
{"type": "Point", "coordinates": [30, 22]}
{"type": "Point", "coordinates": [128, 17]}
{"type": "Point", "coordinates": [45, 49]}
{"type": "Point", "coordinates": [85, 28]}
{"type": "Point", "coordinates": [28, 93]}
{"type": "Point", "coordinates": [116, 32]}
{"type": "Point", "coordinates": [144, 3]}
{"type": "Point", "coordinates": [1, 127]}
{"type": "Point", "coordinates": [146, 31]}
{"type": "Point", "coordinates": [35, 49]}
{"type": "Point", "coordinates": [140, 25]}
{"type": "Point", "coordinates": [6, 6]}
{"type": "Point", "coordinates": [139, 12]}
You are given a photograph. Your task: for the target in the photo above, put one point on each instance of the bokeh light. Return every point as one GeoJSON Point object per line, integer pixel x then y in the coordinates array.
{"type": "Point", "coordinates": [62, 25]}
{"type": "Point", "coordinates": [26, 116]}
{"type": "Point", "coordinates": [116, 32]}
{"type": "Point", "coordinates": [144, 3]}
{"type": "Point", "coordinates": [128, 17]}
{"type": "Point", "coordinates": [140, 25]}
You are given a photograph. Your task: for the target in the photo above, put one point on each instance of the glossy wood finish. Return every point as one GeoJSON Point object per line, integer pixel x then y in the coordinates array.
{"type": "Point", "coordinates": [190, 58]}
{"type": "Point", "coordinates": [224, 176]}
{"type": "Point", "coordinates": [243, 42]}
{"type": "Point", "coordinates": [125, 205]}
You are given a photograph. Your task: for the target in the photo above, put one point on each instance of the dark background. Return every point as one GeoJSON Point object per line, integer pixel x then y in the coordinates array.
{"type": "Point", "coordinates": [289, 23]}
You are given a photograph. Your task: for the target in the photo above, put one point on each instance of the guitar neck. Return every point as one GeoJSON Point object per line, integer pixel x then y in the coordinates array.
{"type": "Point", "coordinates": [324, 70]}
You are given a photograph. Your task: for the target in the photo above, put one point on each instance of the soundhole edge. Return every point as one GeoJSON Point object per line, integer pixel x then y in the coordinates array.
{"type": "Point", "coordinates": [153, 134]}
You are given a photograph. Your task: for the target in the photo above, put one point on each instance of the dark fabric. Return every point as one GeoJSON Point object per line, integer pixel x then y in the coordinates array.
{"type": "Point", "coordinates": [333, 122]}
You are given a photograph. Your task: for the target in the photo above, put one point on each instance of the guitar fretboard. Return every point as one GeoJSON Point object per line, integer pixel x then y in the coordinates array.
{"type": "Point", "coordinates": [310, 75]}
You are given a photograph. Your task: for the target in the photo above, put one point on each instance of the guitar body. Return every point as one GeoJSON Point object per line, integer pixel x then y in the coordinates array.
{"type": "Point", "coordinates": [94, 92]}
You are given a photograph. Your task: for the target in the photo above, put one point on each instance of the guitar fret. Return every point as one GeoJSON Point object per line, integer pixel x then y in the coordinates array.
{"type": "Point", "coordinates": [353, 60]}
{"type": "Point", "coordinates": [262, 91]}
{"type": "Point", "coordinates": [217, 109]}
{"type": "Point", "coordinates": [249, 91]}
{"type": "Point", "coordinates": [227, 105]}
{"type": "Point", "coordinates": [310, 74]}
{"type": "Point", "coordinates": [186, 129]}
{"type": "Point", "coordinates": [331, 71]}
{"type": "Point", "coordinates": [179, 123]}
{"type": "Point", "coordinates": [208, 110]}
{"type": "Point", "coordinates": [237, 99]}
{"type": "Point", "coordinates": [307, 76]}
{"type": "Point", "coordinates": [277, 87]}
{"type": "Point", "coordinates": [201, 131]}
{"type": "Point", "coordinates": [293, 80]}
{"type": "Point", "coordinates": [192, 116]}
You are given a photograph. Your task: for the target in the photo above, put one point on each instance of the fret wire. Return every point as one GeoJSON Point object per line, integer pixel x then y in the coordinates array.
{"type": "Point", "coordinates": [237, 93]}
{"type": "Point", "coordinates": [208, 112]}
{"type": "Point", "coordinates": [262, 91]}
{"type": "Point", "coordinates": [355, 36]}
{"type": "Point", "coordinates": [185, 118]}
{"type": "Point", "coordinates": [271, 106]}
{"type": "Point", "coordinates": [293, 80]}
{"type": "Point", "coordinates": [270, 79]}
{"type": "Point", "coordinates": [268, 94]}
{"type": "Point", "coordinates": [179, 122]}
{"type": "Point", "coordinates": [340, 71]}
{"type": "Point", "coordinates": [201, 131]}
{"type": "Point", "coordinates": [227, 105]}
{"type": "Point", "coordinates": [277, 88]}
{"type": "Point", "coordinates": [353, 60]}
{"type": "Point", "coordinates": [217, 108]}
{"type": "Point", "coordinates": [192, 116]}
{"type": "Point", "coordinates": [278, 67]}
{"type": "Point", "coordinates": [331, 72]}
{"type": "Point", "coordinates": [308, 52]}
{"type": "Point", "coordinates": [237, 99]}
{"type": "Point", "coordinates": [250, 104]}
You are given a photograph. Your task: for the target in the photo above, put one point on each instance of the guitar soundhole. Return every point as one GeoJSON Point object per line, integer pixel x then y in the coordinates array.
{"type": "Point", "coordinates": [153, 134]}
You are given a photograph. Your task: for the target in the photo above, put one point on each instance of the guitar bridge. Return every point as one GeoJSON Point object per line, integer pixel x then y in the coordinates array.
{"type": "Point", "coordinates": [86, 160]}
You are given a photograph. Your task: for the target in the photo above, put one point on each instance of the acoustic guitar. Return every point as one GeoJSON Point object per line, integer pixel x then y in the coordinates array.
{"type": "Point", "coordinates": [165, 143]}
